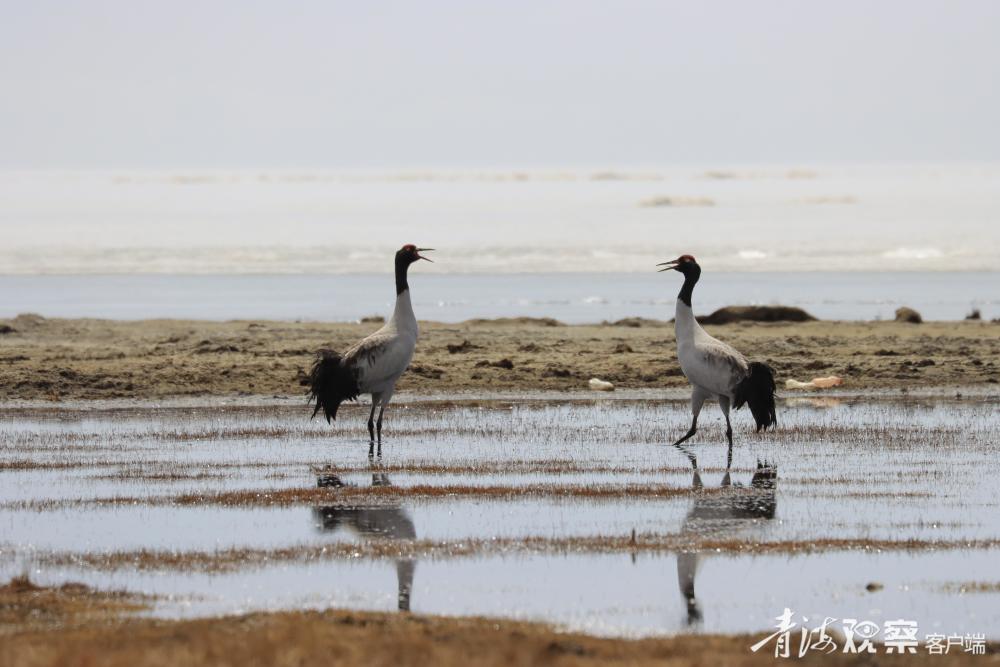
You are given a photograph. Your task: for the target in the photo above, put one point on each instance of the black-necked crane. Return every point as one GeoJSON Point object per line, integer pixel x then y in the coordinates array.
{"type": "Point", "coordinates": [373, 365]}
{"type": "Point", "coordinates": [714, 369]}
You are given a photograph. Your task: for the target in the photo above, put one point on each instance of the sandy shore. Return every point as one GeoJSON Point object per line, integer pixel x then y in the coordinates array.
{"type": "Point", "coordinates": [84, 358]}
{"type": "Point", "coordinates": [74, 625]}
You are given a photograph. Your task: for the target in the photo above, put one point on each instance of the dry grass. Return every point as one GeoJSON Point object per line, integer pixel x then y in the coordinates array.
{"type": "Point", "coordinates": [973, 587]}
{"type": "Point", "coordinates": [424, 492]}
{"type": "Point", "coordinates": [113, 638]}
{"type": "Point", "coordinates": [523, 467]}
{"type": "Point", "coordinates": [28, 464]}
{"type": "Point", "coordinates": [26, 606]}
{"type": "Point", "coordinates": [160, 470]}
{"type": "Point", "coordinates": [236, 559]}
{"type": "Point", "coordinates": [377, 495]}
{"type": "Point", "coordinates": [160, 476]}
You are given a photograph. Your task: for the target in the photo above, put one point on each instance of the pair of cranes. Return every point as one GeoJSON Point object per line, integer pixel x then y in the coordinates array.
{"type": "Point", "coordinates": [373, 365]}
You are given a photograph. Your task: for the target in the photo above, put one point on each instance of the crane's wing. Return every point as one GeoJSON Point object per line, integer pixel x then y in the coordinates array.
{"type": "Point", "coordinates": [365, 354]}
{"type": "Point", "coordinates": [379, 357]}
{"type": "Point", "coordinates": [722, 366]}
{"type": "Point", "coordinates": [726, 356]}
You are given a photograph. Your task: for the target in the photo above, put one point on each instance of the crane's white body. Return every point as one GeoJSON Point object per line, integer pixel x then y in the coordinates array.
{"type": "Point", "coordinates": [713, 367]}
{"type": "Point", "coordinates": [380, 359]}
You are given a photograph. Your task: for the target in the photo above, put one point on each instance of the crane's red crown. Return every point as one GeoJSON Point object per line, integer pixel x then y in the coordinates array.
{"type": "Point", "coordinates": [686, 258]}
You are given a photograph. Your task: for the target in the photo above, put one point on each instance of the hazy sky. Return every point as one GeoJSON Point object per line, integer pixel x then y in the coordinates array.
{"type": "Point", "coordinates": [237, 83]}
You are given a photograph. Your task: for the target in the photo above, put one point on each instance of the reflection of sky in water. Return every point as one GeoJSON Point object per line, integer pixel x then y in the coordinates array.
{"type": "Point", "coordinates": [858, 469]}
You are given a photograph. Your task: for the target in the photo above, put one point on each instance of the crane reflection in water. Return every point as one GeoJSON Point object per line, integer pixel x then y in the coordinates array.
{"type": "Point", "coordinates": [736, 512]}
{"type": "Point", "coordinates": [385, 522]}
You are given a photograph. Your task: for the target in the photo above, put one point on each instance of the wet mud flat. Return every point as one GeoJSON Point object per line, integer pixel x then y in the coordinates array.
{"type": "Point", "coordinates": [567, 510]}
{"type": "Point", "coordinates": [67, 359]}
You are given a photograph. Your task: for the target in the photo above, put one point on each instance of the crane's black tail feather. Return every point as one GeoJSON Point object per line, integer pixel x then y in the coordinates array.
{"type": "Point", "coordinates": [757, 390]}
{"type": "Point", "coordinates": [331, 383]}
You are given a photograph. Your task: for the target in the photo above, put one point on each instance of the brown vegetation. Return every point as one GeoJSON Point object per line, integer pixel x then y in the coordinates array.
{"type": "Point", "coordinates": [974, 587]}
{"type": "Point", "coordinates": [345, 638]}
{"type": "Point", "coordinates": [53, 359]}
{"type": "Point", "coordinates": [227, 560]}
{"type": "Point", "coordinates": [375, 495]}
{"type": "Point", "coordinates": [26, 606]}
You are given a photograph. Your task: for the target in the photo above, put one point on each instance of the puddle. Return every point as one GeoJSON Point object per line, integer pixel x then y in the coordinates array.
{"type": "Point", "coordinates": [572, 512]}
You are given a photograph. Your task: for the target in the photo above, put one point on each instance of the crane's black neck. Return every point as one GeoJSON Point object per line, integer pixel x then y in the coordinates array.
{"type": "Point", "coordinates": [402, 264]}
{"type": "Point", "coordinates": [691, 273]}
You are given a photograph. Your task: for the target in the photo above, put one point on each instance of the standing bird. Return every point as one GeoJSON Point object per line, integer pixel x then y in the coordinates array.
{"type": "Point", "coordinates": [373, 365]}
{"type": "Point", "coordinates": [715, 369]}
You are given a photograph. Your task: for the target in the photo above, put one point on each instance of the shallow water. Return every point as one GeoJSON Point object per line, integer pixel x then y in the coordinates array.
{"type": "Point", "coordinates": [573, 298]}
{"type": "Point", "coordinates": [519, 509]}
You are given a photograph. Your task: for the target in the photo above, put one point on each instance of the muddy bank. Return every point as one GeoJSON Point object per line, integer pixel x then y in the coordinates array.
{"type": "Point", "coordinates": [109, 635]}
{"type": "Point", "coordinates": [61, 359]}
{"type": "Point", "coordinates": [28, 607]}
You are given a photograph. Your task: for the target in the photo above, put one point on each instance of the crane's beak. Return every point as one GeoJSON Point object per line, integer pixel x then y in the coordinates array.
{"type": "Point", "coordinates": [419, 250]}
{"type": "Point", "coordinates": [672, 264]}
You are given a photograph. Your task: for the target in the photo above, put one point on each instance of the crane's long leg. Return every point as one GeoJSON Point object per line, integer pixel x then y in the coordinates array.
{"type": "Point", "coordinates": [698, 397]}
{"type": "Point", "coordinates": [724, 404]}
{"type": "Point", "coordinates": [376, 399]}
{"type": "Point", "coordinates": [384, 401]}
{"type": "Point", "coordinates": [697, 400]}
